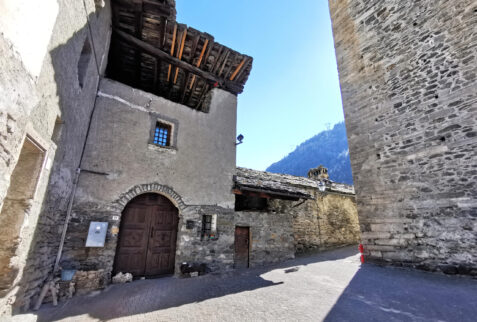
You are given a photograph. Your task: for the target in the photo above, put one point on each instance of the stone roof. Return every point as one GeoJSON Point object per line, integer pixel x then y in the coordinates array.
{"type": "Point", "coordinates": [284, 183]}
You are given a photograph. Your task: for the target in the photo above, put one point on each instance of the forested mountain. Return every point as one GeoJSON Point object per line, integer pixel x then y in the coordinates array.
{"type": "Point", "coordinates": [328, 148]}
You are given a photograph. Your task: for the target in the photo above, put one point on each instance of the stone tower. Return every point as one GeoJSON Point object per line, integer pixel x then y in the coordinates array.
{"type": "Point", "coordinates": [408, 76]}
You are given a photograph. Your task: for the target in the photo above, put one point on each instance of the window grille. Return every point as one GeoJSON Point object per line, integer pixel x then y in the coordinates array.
{"type": "Point", "coordinates": [162, 134]}
{"type": "Point", "coordinates": [206, 226]}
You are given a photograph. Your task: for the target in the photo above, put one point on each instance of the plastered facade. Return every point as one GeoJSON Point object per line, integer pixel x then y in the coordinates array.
{"type": "Point", "coordinates": [195, 173]}
{"type": "Point", "coordinates": [38, 87]}
{"type": "Point", "coordinates": [408, 77]}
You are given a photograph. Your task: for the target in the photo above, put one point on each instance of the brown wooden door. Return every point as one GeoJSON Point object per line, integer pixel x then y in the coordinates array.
{"type": "Point", "coordinates": [242, 242]}
{"type": "Point", "coordinates": [147, 238]}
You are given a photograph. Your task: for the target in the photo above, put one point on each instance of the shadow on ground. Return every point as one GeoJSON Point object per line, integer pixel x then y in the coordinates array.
{"type": "Point", "coordinates": [378, 293]}
{"type": "Point", "coordinates": [145, 296]}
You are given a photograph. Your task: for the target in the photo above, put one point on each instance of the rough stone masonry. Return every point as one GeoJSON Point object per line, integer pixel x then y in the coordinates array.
{"type": "Point", "coordinates": [408, 80]}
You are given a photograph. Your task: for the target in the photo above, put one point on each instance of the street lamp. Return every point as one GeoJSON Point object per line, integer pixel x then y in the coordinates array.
{"type": "Point", "coordinates": [239, 139]}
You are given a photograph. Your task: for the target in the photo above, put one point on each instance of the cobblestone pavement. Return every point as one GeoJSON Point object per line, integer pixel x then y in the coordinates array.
{"type": "Point", "coordinates": [330, 286]}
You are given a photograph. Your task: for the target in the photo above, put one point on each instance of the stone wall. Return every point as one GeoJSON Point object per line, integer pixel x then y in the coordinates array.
{"type": "Point", "coordinates": [40, 97]}
{"type": "Point", "coordinates": [328, 221]}
{"type": "Point", "coordinates": [271, 236]}
{"type": "Point", "coordinates": [408, 82]}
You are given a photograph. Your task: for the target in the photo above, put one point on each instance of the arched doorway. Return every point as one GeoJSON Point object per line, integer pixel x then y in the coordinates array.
{"type": "Point", "coordinates": [147, 237]}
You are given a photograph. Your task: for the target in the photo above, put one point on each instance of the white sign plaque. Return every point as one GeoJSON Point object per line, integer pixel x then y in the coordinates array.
{"type": "Point", "coordinates": [96, 234]}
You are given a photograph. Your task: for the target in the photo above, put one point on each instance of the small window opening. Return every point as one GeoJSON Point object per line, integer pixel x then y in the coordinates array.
{"type": "Point", "coordinates": [162, 134]}
{"type": "Point", "coordinates": [250, 203]}
{"type": "Point", "coordinates": [83, 61]}
{"type": "Point", "coordinates": [209, 227]}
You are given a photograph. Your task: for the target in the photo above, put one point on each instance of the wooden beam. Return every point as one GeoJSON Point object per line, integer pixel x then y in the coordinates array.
{"type": "Point", "coordinates": [191, 59]}
{"type": "Point", "coordinates": [239, 77]}
{"type": "Point", "coordinates": [207, 54]}
{"type": "Point", "coordinates": [231, 86]}
{"type": "Point", "coordinates": [217, 58]}
{"type": "Point", "coordinates": [276, 194]}
{"type": "Point", "coordinates": [157, 7]}
{"type": "Point", "coordinates": [138, 14]}
{"type": "Point", "coordinates": [239, 67]}
{"type": "Point", "coordinates": [172, 48]}
{"type": "Point", "coordinates": [202, 97]}
{"type": "Point", "coordinates": [184, 35]}
{"type": "Point", "coordinates": [223, 63]}
{"type": "Point", "coordinates": [229, 69]}
{"type": "Point", "coordinates": [162, 32]}
{"type": "Point", "coordinates": [200, 60]}
{"type": "Point", "coordinates": [156, 73]}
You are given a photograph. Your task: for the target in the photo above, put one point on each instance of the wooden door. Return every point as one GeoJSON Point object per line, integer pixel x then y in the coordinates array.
{"type": "Point", "coordinates": [147, 238]}
{"type": "Point", "coordinates": [162, 240]}
{"type": "Point", "coordinates": [242, 242]}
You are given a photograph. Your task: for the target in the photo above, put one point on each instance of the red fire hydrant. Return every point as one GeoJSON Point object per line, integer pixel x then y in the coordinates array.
{"type": "Point", "coordinates": [361, 250]}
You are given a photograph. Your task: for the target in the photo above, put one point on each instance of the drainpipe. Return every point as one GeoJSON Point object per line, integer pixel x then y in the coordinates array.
{"type": "Point", "coordinates": [67, 219]}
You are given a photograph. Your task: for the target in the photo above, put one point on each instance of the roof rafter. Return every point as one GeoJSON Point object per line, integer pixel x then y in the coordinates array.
{"type": "Point", "coordinates": [229, 85]}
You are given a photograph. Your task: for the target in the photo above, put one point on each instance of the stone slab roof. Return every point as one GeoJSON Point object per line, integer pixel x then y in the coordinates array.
{"type": "Point", "coordinates": [284, 183]}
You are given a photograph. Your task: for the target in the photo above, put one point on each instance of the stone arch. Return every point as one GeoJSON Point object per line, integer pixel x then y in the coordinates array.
{"type": "Point", "coordinates": [155, 187]}
{"type": "Point", "coordinates": [120, 203]}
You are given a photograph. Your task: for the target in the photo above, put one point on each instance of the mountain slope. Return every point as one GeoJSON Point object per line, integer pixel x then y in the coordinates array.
{"type": "Point", "coordinates": [328, 148]}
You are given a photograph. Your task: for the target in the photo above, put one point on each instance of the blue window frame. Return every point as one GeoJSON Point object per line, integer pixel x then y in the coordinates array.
{"type": "Point", "coordinates": [162, 134]}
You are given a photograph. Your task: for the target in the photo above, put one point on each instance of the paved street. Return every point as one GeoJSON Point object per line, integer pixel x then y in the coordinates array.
{"type": "Point", "coordinates": [330, 286]}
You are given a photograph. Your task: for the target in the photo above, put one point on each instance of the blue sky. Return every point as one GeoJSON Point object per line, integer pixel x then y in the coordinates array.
{"type": "Point", "coordinates": [293, 89]}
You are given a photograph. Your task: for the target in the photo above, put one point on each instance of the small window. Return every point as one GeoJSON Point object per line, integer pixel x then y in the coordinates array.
{"type": "Point", "coordinates": [206, 225]}
{"type": "Point", "coordinates": [209, 227]}
{"type": "Point", "coordinates": [162, 134]}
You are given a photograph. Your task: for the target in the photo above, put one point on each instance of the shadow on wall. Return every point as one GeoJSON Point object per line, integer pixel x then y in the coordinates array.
{"type": "Point", "coordinates": [75, 71]}
{"type": "Point", "coordinates": [141, 297]}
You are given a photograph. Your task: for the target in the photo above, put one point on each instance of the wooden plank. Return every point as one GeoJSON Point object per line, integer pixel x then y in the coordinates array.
{"type": "Point", "coordinates": [223, 63]}
{"type": "Point", "coordinates": [231, 86]}
{"type": "Point", "coordinates": [207, 54]}
{"type": "Point", "coordinates": [191, 59]}
{"type": "Point", "coordinates": [162, 32]}
{"type": "Point", "coordinates": [156, 73]}
{"type": "Point", "coordinates": [191, 92]}
{"type": "Point", "coordinates": [202, 97]}
{"type": "Point", "coordinates": [276, 194]}
{"type": "Point", "coordinates": [222, 59]}
{"type": "Point", "coordinates": [174, 34]}
{"type": "Point", "coordinates": [229, 69]}
{"type": "Point", "coordinates": [217, 59]}
{"type": "Point", "coordinates": [239, 77]}
{"type": "Point", "coordinates": [183, 40]}
{"type": "Point", "coordinates": [157, 7]}
{"type": "Point", "coordinates": [200, 60]}
{"type": "Point", "coordinates": [239, 67]}
{"type": "Point", "coordinates": [138, 13]}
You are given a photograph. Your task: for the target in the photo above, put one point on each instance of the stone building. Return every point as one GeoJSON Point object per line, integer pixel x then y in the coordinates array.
{"type": "Point", "coordinates": [408, 80]}
{"type": "Point", "coordinates": [317, 213]}
{"type": "Point", "coordinates": [61, 111]}
{"type": "Point", "coordinates": [117, 154]}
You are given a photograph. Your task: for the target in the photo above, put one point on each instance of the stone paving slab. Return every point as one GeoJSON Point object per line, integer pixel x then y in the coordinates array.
{"type": "Point", "coordinates": [330, 286]}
